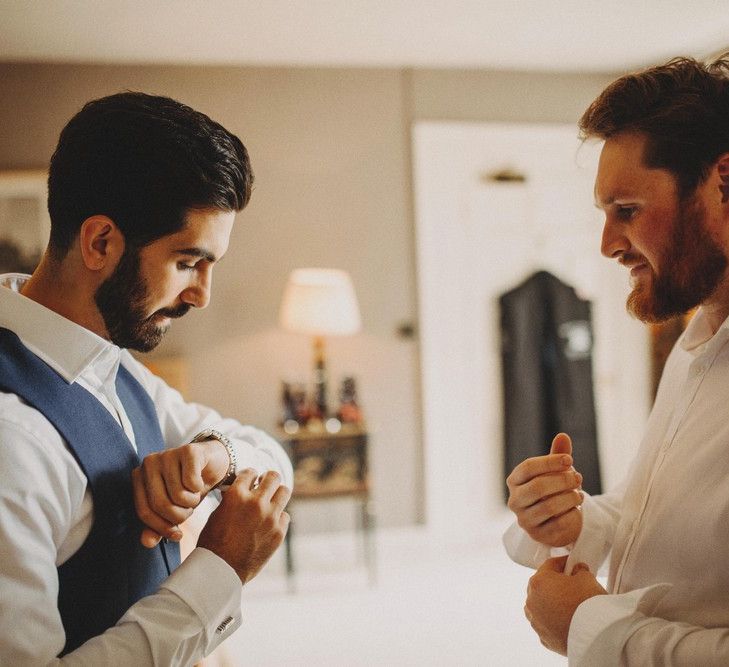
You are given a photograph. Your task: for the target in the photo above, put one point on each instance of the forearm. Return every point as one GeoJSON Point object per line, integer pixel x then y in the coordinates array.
{"type": "Point", "coordinates": [622, 630]}
{"type": "Point", "coordinates": [179, 625]}
{"type": "Point", "coordinates": [660, 642]}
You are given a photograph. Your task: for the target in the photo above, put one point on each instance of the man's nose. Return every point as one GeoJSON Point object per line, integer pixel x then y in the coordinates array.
{"type": "Point", "coordinates": [614, 242]}
{"type": "Point", "coordinates": [197, 295]}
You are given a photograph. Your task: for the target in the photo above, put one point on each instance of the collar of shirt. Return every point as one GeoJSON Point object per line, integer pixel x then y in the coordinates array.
{"type": "Point", "coordinates": [68, 348]}
{"type": "Point", "coordinates": [699, 337]}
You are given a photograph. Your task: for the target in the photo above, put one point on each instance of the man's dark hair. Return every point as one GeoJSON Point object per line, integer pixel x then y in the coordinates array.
{"type": "Point", "coordinates": [144, 161]}
{"type": "Point", "coordinates": [682, 108]}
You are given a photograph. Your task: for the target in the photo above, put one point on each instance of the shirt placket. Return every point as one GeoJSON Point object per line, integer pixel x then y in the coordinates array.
{"type": "Point", "coordinates": [102, 377]}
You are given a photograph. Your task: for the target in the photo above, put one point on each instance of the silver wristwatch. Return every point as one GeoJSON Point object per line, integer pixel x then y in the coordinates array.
{"type": "Point", "coordinates": [212, 434]}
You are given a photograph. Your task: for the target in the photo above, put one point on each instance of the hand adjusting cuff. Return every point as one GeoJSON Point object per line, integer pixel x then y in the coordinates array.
{"type": "Point", "coordinates": [212, 434]}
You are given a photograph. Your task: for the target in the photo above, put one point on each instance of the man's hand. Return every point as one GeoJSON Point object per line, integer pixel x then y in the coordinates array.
{"type": "Point", "coordinates": [544, 494]}
{"type": "Point", "coordinates": [169, 485]}
{"type": "Point", "coordinates": [553, 597]}
{"type": "Point", "coordinates": [249, 524]}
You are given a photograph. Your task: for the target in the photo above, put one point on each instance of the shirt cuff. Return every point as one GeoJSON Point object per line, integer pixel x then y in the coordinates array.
{"type": "Point", "coordinates": [594, 541]}
{"type": "Point", "coordinates": [602, 624]}
{"type": "Point", "coordinates": [524, 550]}
{"type": "Point", "coordinates": [213, 590]}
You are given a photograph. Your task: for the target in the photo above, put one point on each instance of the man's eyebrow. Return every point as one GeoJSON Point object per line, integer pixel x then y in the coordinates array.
{"type": "Point", "coordinates": [197, 252]}
{"type": "Point", "coordinates": [609, 201]}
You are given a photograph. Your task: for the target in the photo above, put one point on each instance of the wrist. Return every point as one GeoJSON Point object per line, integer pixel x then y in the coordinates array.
{"type": "Point", "coordinates": [231, 471]}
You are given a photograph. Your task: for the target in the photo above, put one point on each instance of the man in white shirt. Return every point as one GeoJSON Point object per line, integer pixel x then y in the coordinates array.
{"type": "Point", "coordinates": [663, 184]}
{"type": "Point", "coordinates": [143, 192]}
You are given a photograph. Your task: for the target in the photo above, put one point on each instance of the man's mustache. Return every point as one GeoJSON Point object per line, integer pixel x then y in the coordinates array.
{"type": "Point", "coordinates": [179, 311]}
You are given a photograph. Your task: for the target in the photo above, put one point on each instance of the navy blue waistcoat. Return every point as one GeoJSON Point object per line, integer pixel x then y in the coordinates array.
{"type": "Point", "coordinates": [111, 570]}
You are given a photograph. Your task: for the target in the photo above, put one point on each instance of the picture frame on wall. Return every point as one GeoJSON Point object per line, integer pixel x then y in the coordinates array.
{"type": "Point", "coordinates": [24, 222]}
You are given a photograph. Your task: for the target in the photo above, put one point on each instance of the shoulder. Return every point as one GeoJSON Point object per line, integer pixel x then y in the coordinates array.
{"type": "Point", "coordinates": [31, 447]}
{"type": "Point", "coordinates": [22, 420]}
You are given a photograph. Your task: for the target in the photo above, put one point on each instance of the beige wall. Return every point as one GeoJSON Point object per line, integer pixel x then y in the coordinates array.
{"type": "Point", "coordinates": [331, 152]}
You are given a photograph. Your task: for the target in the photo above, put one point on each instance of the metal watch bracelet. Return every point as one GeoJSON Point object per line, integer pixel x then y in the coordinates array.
{"type": "Point", "coordinates": [211, 433]}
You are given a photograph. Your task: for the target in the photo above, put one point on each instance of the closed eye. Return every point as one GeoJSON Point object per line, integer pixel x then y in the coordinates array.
{"type": "Point", "coordinates": [182, 266]}
{"type": "Point", "coordinates": [626, 213]}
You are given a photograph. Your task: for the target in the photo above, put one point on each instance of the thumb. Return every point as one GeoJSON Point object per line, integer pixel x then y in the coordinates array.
{"type": "Point", "coordinates": [580, 567]}
{"type": "Point", "coordinates": [562, 444]}
{"type": "Point", "coordinates": [554, 564]}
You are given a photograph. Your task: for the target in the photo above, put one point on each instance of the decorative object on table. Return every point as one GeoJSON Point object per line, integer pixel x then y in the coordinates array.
{"type": "Point", "coordinates": [294, 406]}
{"type": "Point", "coordinates": [320, 302]}
{"type": "Point", "coordinates": [349, 410]}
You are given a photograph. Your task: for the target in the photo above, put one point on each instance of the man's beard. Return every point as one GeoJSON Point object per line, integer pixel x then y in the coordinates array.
{"type": "Point", "coordinates": [121, 300]}
{"type": "Point", "coordinates": [691, 269]}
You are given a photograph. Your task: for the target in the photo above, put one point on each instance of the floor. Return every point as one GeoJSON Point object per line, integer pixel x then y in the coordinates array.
{"type": "Point", "coordinates": [431, 604]}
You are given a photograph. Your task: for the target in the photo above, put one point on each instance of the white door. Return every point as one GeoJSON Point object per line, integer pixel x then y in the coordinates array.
{"type": "Point", "coordinates": [477, 237]}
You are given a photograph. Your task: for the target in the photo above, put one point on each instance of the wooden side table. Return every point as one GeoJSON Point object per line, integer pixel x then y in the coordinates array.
{"type": "Point", "coordinates": [326, 466]}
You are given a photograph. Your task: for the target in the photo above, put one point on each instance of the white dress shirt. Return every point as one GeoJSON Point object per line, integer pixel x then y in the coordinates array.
{"type": "Point", "coordinates": [46, 510]}
{"type": "Point", "coordinates": [667, 525]}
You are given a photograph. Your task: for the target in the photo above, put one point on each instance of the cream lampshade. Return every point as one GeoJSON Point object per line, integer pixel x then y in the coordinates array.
{"type": "Point", "coordinates": [320, 302]}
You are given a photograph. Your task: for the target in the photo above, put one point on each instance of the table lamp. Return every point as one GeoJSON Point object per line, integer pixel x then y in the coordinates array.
{"type": "Point", "coordinates": [320, 302]}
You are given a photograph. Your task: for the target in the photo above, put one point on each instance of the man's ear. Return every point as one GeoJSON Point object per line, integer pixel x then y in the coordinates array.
{"type": "Point", "coordinates": [101, 243]}
{"type": "Point", "coordinates": [722, 168]}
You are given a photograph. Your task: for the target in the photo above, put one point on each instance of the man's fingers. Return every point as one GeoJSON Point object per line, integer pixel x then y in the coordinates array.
{"type": "Point", "coordinates": [268, 484]}
{"type": "Point", "coordinates": [580, 567]}
{"type": "Point", "coordinates": [553, 564]}
{"type": "Point", "coordinates": [542, 487]}
{"type": "Point", "coordinates": [549, 508]}
{"type": "Point", "coordinates": [149, 538]}
{"type": "Point", "coordinates": [245, 479]}
{"type": "Point", "coordinates": [536, 466]}
{"type": "Point", "coordinates": [151, 519]}
{"type": "Point", "coordinates": [281, 497]}
{"type": "Point", "coordinates": [562, 444]}
{"type": "Point", "coordinates": [559, 530]}
{"type": "Point", "coordinates": [159, 498]}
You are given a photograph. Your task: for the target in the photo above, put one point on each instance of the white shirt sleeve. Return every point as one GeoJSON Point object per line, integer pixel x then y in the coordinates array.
{"type": "Point", "coordinates": [40, 498]}
{"type": "Point", "coordinates": [196, 608]}
{"type": "Point", "coordinates": [609, 630]}
{"type": "Point", "coordinates": [600, 516]}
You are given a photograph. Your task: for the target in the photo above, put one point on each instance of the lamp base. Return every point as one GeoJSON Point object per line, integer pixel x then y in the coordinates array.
{"type": "Point", "coordinates": [320, 379]}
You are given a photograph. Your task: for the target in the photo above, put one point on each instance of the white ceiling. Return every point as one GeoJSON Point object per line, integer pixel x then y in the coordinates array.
{"type": "Point", "coordinates": [560, 35]}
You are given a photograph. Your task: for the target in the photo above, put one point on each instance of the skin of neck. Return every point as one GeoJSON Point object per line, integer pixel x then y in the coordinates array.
{"type": "Point", "coordinates": [67, 286]}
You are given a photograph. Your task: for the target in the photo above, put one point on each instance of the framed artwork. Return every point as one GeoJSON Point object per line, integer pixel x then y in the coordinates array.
{"type": "Point", "coordinates": [24, 221]}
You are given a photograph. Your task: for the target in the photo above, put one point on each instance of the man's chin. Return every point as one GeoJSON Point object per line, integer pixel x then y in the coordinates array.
{"type": "Point", "coordinates": [650, 308]}
{"type": "Point", "coordinates": [641, 304]}
{"type": "Point", "coordinates": [146, 341]}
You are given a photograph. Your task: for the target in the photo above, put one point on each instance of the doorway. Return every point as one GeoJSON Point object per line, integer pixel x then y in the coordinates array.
{"type": "Point", "coordinates": [494, 203]}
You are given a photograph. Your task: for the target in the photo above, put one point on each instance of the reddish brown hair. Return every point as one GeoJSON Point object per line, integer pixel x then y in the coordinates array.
{"type": "Point", "coordinates": [681, 107]}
